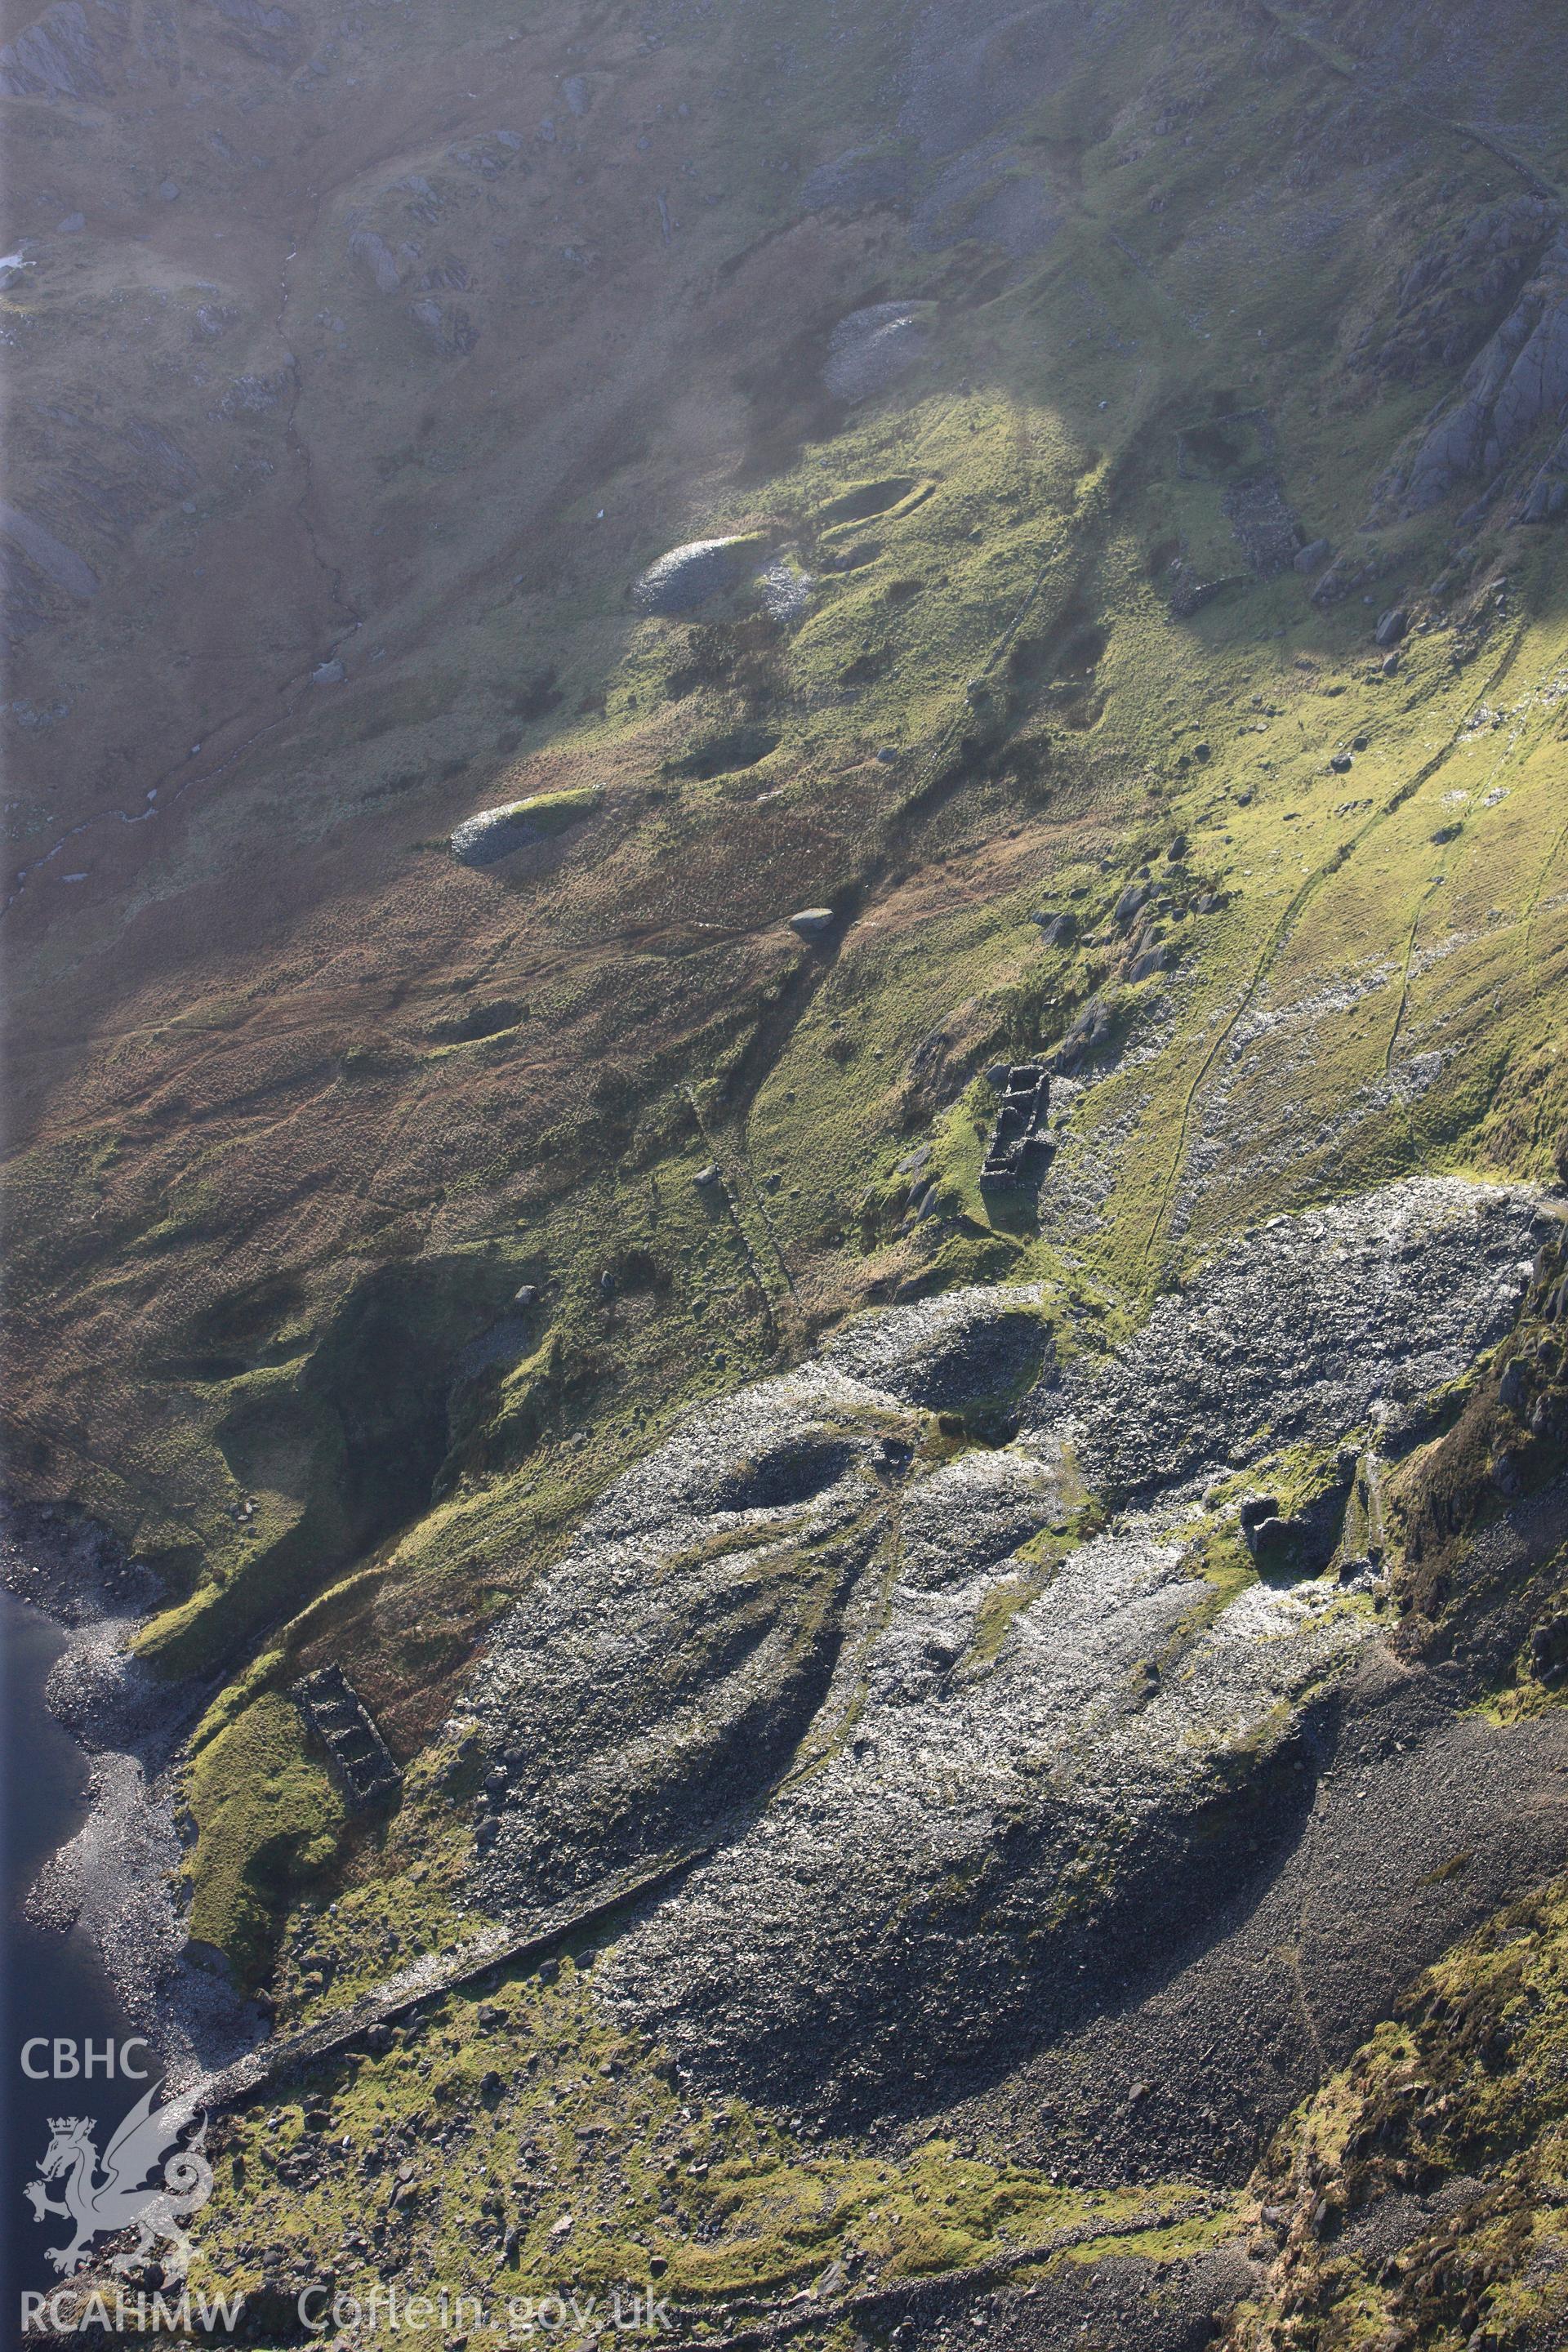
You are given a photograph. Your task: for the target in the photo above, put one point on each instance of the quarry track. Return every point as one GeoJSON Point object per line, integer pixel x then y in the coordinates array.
{"type": "Point", "coordinates": [400, 1996]}
{"type": "Point", "coordinates": [1295, 907]}
{"type": "Point", "coordinates": [1361, 76]}
{"type": "Point", "coordinates": [778, 2324]}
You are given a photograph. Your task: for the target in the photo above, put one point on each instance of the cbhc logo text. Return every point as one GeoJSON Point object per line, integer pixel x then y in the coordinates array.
{"type": "Point", "coordinates": [66, 2061]}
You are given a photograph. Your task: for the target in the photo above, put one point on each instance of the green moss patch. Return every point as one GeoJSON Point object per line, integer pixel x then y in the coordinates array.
{"type": "Point", "coordinates": [515, 2141]}
{"type": "Point", "coordinates": [267, 1816]}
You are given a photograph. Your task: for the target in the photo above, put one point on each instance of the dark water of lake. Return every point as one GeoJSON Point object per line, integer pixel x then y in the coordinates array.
{"type": "Point", "coordinates": [51, 1984]}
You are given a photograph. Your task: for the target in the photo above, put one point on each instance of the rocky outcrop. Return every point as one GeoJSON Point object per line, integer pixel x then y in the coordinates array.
{"type": "Point", "coordinates": [61, 566]}
{"type": "Point", "coordinates": [853, 180]}
{"type": "Point", "coordinates": [871, 349]}
{"type": "Point", "coordinates": [955, 1763]}
{"type": "Point", "coordinates": [967, 75]}
{"type": "Point", "coordinates": [68, 53]}
{"type": "Point", "coordinates": [1303, 1543]}
{"type": "Point", "coordinates": [1517, 383]}
{"type": "Point", "coordinates": [447, 326]}
{"type": "Point", "coordinates": [1547, 497]}
{"type": "Point", "coordinates": [268, 32]}
{"type": "Point", "coordinates": [1092, 1033]}
{"type": "Point", "coordinates": [1457, 290]}
{"type": "Point", "coordinates": [370, 250]}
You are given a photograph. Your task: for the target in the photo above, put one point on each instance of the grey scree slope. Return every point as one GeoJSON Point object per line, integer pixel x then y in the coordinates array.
{"type": "Point", "coordinates": [766, 1634]}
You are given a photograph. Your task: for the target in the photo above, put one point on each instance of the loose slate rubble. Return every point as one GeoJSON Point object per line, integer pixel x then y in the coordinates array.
{"type": "Point", "coordinates": [1310, 1330]}
{"type": "Point", "coordinates": [496, 833]}
{"type": "Point", "coordinates": [785, 589]}
{"type": "Point", "coordinates": [361, 1760]}
{"type": "Point", "coordinates": [987, 195]}
{"type": "Point", "coordinates": [972, 67]}
{"type": "Point", "coordinates": [958, 1766]}
{"type": "Point", "coordinates": [945, 1353]}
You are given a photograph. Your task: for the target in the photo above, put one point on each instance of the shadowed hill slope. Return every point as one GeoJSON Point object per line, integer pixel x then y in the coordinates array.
{"type": "Point", "coordinates": [1064, 502]}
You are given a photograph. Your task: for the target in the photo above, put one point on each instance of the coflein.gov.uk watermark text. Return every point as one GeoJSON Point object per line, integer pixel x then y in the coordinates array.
{"type": "Point", "coordinates": [379, 2310]}
{"type": "Point", "coordinates": [392, 2311]}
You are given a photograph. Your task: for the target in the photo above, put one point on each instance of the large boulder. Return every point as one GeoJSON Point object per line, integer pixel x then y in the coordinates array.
{"type": "Point", "coordinates": [497, 833]}
{"type": "Point", "coordinates": [692, 575]}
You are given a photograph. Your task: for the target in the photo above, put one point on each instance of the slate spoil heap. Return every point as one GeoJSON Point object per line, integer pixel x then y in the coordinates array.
{"type": "Point", "coordinates": [361, 1762]}
{"type": "Point", "coordinates": [1018, 1137]}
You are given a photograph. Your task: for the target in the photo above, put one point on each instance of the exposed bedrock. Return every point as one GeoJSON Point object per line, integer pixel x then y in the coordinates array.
{"type": "Point", "coordinates": [860, 176]}
{"type": "Point", "coordinates": [1515, 386]}
{"type": "Point", "coordinates": [967, 1773]}
{"type": "Point", "coordinates": [872, 349]}
{"type": "Point", "coordinates": [972, 68]}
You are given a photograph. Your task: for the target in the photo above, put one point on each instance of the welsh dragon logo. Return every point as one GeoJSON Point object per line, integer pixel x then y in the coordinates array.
{"type": "Point", "coordinates": [104, 2196]}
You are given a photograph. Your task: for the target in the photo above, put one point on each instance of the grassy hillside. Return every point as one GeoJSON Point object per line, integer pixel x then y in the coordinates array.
{"type": "Point", "coordinates": [356, 1240]}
